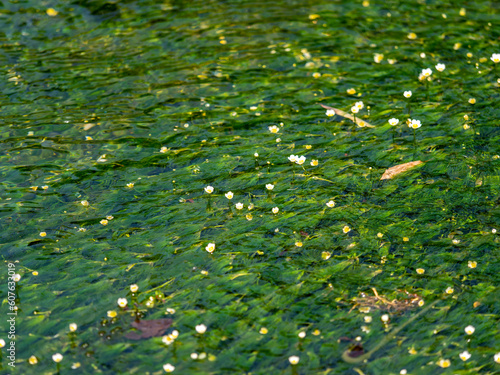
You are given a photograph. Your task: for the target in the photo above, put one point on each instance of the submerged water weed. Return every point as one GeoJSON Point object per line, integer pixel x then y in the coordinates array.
{"type": "Point", "coordinates": [111, 107]}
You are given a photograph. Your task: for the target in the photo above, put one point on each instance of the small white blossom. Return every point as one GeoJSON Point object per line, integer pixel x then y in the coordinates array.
{"type": "Point", "coordinates": [496, 357]}
{"type": "Point", "coordinates": [57, 357]}
{"type": "Point", "coordinates": [275, 210]}
{"type": "Point", "coordinates": [464, 356]}
{"type": "Point", "coordinates": [359, 104]}
{"type": "Point", "coordinates": [495, 57]}
{"type": "Point", "coordinates": [330, 204]}
{"type": "Point", "coordinates": [300, 160]}
{"type": "Point", "coordinates": [210, 248]}
{"type": "Point", "coordinates": [440, 67]}
{"type": "Point", "coordinates": [122, 302]}
{"type": "Point", "coordinates": [354, 109]}
{"type": "Point", "coordinates": [292, 158]}
{"type": "Point", "coordinates": [407, 94]}
{"type": "Point", "coordinates": [330, 112]}
{"type": "Point", "coordinates": [229, 195]}
{"type": "Point", "coordinates": [426, 72]}
{"type": "Point", "coordinates": [201, 328]}
{"type": "Point", "coordinates": [414, 124]}
{"type": "Point", "coordinates": [469, 330]}
{"type": "Point", "coordinates": [294, 359]}
{"type": "Point", "coordinates": [239, 206]}
{"type": "Point", "coordinates": [274, 129]}
{"type": "Point", "coordinates": [393, 121]}
{"type": "Point", "coordinates": [209, 189]}
{"type": "Point", "coordinates": [269, 186]}
{"type": "Point", "coordinates": [168, 367]}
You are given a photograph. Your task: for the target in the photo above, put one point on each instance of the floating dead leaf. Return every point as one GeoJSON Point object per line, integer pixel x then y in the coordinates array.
{"type": "Point", "coordinates": [88, 126]}
{"type": "Point", "coordinates": [356, 351]}
{"type": "Point", "coordinates": [397, 169]}
{"type": "Point", "coordinates": [149, 328]}
{"type": "Point", "coordinates": [359, 122]}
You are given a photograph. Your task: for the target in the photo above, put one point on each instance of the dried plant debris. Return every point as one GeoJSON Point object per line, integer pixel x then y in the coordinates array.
{"type": "Point", "coordinates": [407, 301]}
{"type": "Point", "coordinates": [359, 122]}
{"type": "Point", "coordinates": [397, 169]}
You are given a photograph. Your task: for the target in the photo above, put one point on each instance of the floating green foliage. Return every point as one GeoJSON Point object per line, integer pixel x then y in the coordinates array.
{"type": "Point", "coordinates": [118, 115]}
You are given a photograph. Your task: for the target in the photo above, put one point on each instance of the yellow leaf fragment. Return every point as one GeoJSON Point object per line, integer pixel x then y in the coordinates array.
{"type": "Point", "coordinates": [397, 169]}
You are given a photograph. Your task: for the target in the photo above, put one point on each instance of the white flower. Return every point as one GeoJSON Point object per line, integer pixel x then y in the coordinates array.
{"type": "Point", "coordinates": [168, 367]}
{"type": "Point", "coordinates": [330, 112]}
{"type": "Point", "coordinates": [495, 57]}
{"type": "Point", "coordinates": [414, 124]}
{"type": "Point", "coordinates": [134, 288]}
{"type": "Point", "coordinates": [302, 334]}
{"type": "Point", "coordinates": [393, 121]}
{"type": "Point", "coordinates": [256, 155]}
{"type": "Point", "coordinates": [163, 149]}
{"type": "Point", "coordinates": [469, 330]}
{"type": "Point", "coordinates": [2, 343]}
{"type": "Point", "coordinates": [378, 57]}
{"type": "Point", "coordinates": [274, 129]}
{"type": "Point", "coordinates": [300, 160]}
{"type": "Point", "coordinates": [170, 310]}
{"type": "Point", "coordinates": [73, 327]}
{"type": "Point", "coordinates": [16, 277]}
{"type": "Point", "coordinates": [174, 334]}
{"type": "Point", "coordinates": [464, 356]}
{"type": "Point", "coordinates": [57, 357]}
{"type": "Point", "coordinates": [210, 248]}
{"type": "Point", "coordinates": [122, 302]}
{"type": "Point", "coordinates": [167, 340]}
{"type": "Point", "coordinates": [440, 67]}
{"type": "Point", "coordinates": [496, 357]}
{"type": "Point", "coordinates": [407, 94]}
{"type": "Point", "coordinates": [269, 186]}
{"type": "Point", "coordinates": [209, 189]}
{"type": "Point", "coordinates": [292, 158]}
{"type": "Point", "coordinates": [275, 210]}
{"type": "Point", "coordinates": [229, 195]}
{"type": "Point", "coordinates": [360, 105]}
{"type": "Point", "coordinates": [384, 318]}
{"type": "Point", "coordinates": [426, 72]}
{"type": "Point", "coordinates": [239, 206]}
{"type": "Point", "coordinates": [354, 109]}
{"type": "Point", "coordinates": [201, 328]}
{"type": "Point", "coordinates": [294, 359]}
{"type": "Point", "coordinates": [330, 204]}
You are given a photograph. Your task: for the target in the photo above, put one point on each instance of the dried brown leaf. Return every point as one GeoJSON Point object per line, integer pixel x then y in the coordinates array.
{"type": "Point", "coordinates": [397, 169]}
{"type": "Point", "coordinates": [149, 328]}
{"type": "Point", "coordinates": [359, 122]}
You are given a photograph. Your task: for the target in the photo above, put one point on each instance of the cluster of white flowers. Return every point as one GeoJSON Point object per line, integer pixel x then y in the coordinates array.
{"type": "Point", "coordinates": [297, 159]}
{"type": "Point", "coordinates": [426, 73]}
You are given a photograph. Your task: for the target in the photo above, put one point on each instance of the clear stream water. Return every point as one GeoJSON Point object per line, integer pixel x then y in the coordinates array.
{"type": "Point", "coordinates": [115, 117]}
